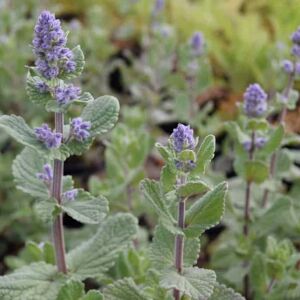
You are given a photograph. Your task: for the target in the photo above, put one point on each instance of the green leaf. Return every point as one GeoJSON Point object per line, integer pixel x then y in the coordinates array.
{"type": "Point", "coordinates": [78, 57]}
{"type": "Point", "coordinates": [235, 131]}
{"type": "Point", "coordinates": [33, 93]}
{"type": "Point", "coordinates": [273, 142]}
{"type": "Point", "coordinates": [168, 178]}
{"type": "Point", "coordinates": [153, 193]}
{"type": "Point", "coordinates": [164, 151]}
{"type": "Point", "coordinates": [124, 289]}
{"type": "Point", "coordinates": [72, 290]}
{"type": "Point", "coordinates": [206, 211]}
{"type": "Point", "coordinates": [103, 114]}
{"type": "Point", "coordinates": [194, 282]}
{"type": "Point", "coordinates": [38, 281]}
{"type": "Point", "coordinates": [187, 155]}
{"type": "Point", "coordinates": [95, 256]}
{"type": "Point", "coordinates": [182, 106]}
{"type": "Point", "coordinates": [255, 171]}
{"type": "Point", "coordinates": [257, 124]}
{"type": "Point", "coordinates": [86, 208]}
{"type": "Point", "coordinates": [93, 295]}
{"type": "Point", "coordinates": [205, 154]}
{"type": "Point", "coordinates": [258, 273]}
{"type": "Point", "coordinates": [293, 99]}
{"type": "Point", "coordinates": [192, 188]}
{"type": "Point", "coordinates": [162, 249]}
{"type": "Point", "coordinates": [222, 292]}
{"type": "Point", "coordinates": [46, 209]}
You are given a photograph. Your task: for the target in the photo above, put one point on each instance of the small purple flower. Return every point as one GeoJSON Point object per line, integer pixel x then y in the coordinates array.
{"type": "Point", "coordinates": [42, 87]}
{"type": "Point", "coordinates": [47, 175]}
{"type": "Point", "coordinates": [197, 43]}
{"type": "Point", "coordinates": [66, 94]}
{"type": "Point", "coordinates": [295, 37]}
{"type": "Point", "coordinates": [296, 50]}
{"type": "Point", "coordinates": [259, 143]}
{"type": "Point", "coordinates": [51, 139]}
{"type": "Point", "coordinates": [287, 66]}
{"type": "Point", "coordinates": [80, 129]}
{"type": "Point", "coordinates": [158, 7]}
{"type": "Point", "coordinates": [297, 68]}
{"type": "Point", "coordinates": [183, 138]}
{"type": "Point", "coordinates": [255, 101]}
{"type": "Point", "coordinates": [70, 195]}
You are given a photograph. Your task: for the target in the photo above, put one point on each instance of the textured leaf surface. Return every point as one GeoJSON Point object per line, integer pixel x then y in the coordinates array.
{"type": "Point", "coordinates": [192, 188]}
{"type": "Point", "coordinates": [194, 282]}
{"type": "Point", "coordinates": [98, 254]}
{"type": "Point", "coordinates": [274, 141]}
{"type": "Point", "coordinates": [72, 290]}
{"type": "Point", "coordinates": [93, 295]}
{"type": "Point", "coordinates": [103, 114]}
{"type": "Point", "coordinates": [221, 292]}
{"type": "Point", "coordinates": [255, 171]}
{"type": "Point", "coordinates": [124, 289]}
{"type": "Point", "coordinates": [162, 249]}
{"type": "Point", "coordinates": [38, 281]}
{"type": "Point", "coordinates": [86, 208]}
{"type": "Point", "coordinates": [206, 211]}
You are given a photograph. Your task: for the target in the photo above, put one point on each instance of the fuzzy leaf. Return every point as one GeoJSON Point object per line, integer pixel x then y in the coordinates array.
{"type": "Point", "coordinates": [86, 208]}
{"type": "Point", "coordinates": [206, 211]}
{"type": "Point", "coordinates": [124, 289]}
{"type": "Point", "coordinates": [38, 281]}
{"type": "Point", "coordinates": [194, 282]}
{"type": "Point", "coordinates": [205, 154]}
{"type": "Point", "coordinates": [93, 295]}
{"type": "Point", "coordinates": [162, 249]}
{"type": "Point", "coordinates": [98, 254]}
{"type": "Point", "coordinates": [168, 178]}
{"type": "Point", "coordinates": [103, 114]}
{"type": "Point", "coordinates": [192, 188]}
{"type": "Point", "coordinates": [45, 209]}
{"type": "Point", "coordinates": [72, 290]}
{"type": "Point", "coordinates": [258, 273]}
{"type": "Point", "coordinates": [222, 292]}
{"type": "Point", "coordinates": [257, 124]}
{"type": "Point", "coordinates": [255, 171]}
{"type": "Point", "coordinates": [274, 141]}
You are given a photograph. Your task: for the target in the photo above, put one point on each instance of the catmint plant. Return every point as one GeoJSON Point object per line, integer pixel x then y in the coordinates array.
{"type": "Point", "coordinates": [39, 172]}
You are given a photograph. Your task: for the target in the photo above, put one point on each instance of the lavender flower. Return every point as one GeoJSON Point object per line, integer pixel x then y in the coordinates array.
{"type": "Point", "coordinates": [80, 129]}
{"type": "Point", "coordinates": [158, 7]}
{"type": "Point", "coordinates": [259, 143]}
{"type": "Point", "coordinates": [70, 195]}
{"type": "Point", "coordinates": [197, 43]}
{"type": "Point", "coordinates": [287, 66]}
{"type": "Point", "coordinates": [46, 175]}
{"type": "Point", "coordinates": [66, 94]}
{"type": "Point", "coordinates": [42, 87]}
{"type": "Point", "coordinates": [183, 138]}
{"type": "Point", "coordinates": [255, 101]}
{"type": "Point", "coordinates": [49, 46]}
{"type": "Point", "coordinates": [51, 139]}
{"type": "Point", "coordinates": [296, 41]}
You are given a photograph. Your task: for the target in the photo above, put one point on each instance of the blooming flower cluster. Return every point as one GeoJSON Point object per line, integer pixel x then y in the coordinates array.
{"type": "Point", "coordinates": [158, 7]}
{"type": "Point", "coordinates": [47, 175]}
{"type": "Point", "coordinates": [80, 129]}
{"type": "Point", "coordinates": [296, 42]}
{"type": "Point", "coordinates": [70, 195]}
{"type": "Point", "coordinates": [49, 46]}
{"type": "Point", "coordinates": [51, 139]}
{"type": "Point", "coordinates": [258, 143]}
{"type": "Point", "coordinates": [255, 101]}
{"type": "Point", "coordinates": [66, 94]}
{"type": "Point", "coordinates": [42, 87]}
{"type": "Point", "coordinates": [183, 138]}
{"type": "Point", "coordinates": [197, 43]}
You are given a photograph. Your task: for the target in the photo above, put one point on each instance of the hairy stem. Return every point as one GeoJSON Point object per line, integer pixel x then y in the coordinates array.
{"type": "Point", "coordinates": [247, 212]}
{"type": "Point", "coordinates": [281, 120]}
{"type": "Point", "coordinates": [57, 229]}
{"type": "Point", "coordinates": [179, 239]}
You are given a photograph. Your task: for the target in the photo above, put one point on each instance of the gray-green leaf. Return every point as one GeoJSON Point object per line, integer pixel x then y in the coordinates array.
{"type": "Point", "coordinates": [222, 292]}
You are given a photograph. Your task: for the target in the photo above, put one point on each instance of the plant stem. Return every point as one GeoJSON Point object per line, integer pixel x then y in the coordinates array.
{"type": "Point", "coordinates": [179, 239]}
{"type": "Point", "coordinates": [57, 229]}
{"type": "Point", "coordinates": [247, 212]}
{"type": "Point", "coordinates": [281, 120]}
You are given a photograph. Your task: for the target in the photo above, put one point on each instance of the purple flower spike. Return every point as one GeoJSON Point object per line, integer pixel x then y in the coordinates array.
{"type": "Point", "coordinates": [66, 94]}
{"type": "Point", "coordinates": [183, 138]}
{"type": "Point", "coordinates": [255, 101]}
{"type": "Point", "coordinates": [296, 36]}
{"type": "Point", "coordinates": [46, 175]}
{"type": "Point", "coordinates": [51, 139]}
{"type": "Point", "coordinates": [49, 47]}
{"type": "Point", "coordinates": [287, 66]}
{"type": "Point", "coordinates": [197, 43]}
{"type": "Point", "coordinates": [158, 7]}
{"type": "Point", "coordinates": [80, 129]}
{"type": "Point", "coordinates": [70, 195]}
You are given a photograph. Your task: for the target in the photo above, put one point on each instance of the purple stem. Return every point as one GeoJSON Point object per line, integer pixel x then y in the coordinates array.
{"type": "Point", "coordinates": [281, 120]}
{"type": "Point", "coordinates": [57, 229]}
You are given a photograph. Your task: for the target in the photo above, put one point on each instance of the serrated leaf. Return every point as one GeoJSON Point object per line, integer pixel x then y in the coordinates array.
{"type": "Point", "coordinates": [153, 193]}
{"type": "Point", "coordinates": [33, 93]}
{"type": "Point", "coordinates": [98, 254]}
{"type": "Point", "coordinates": [162, 249]}
{"type": "Point", "coordinates": [85, 97]}
{"type": "Point", "coordinates": [86, 208]}
{"type": "Point", "coordinates": [93, 295]}
{"type": "Point", "coordinates": [274, 141]}
{"type": "Point", "coordinates": [192, 188]}
{"type": "Point", "coordinates": [124, 289]}
{"type": "Point", "coordinates": [46, 209]}
{"type": "Point", "coordinates": [168, 179]}
{"type": "Point", "coordinates": [222, 292]}
{"type": "Point", "coordinates": [38, 281]}
{"type": "Point", "coordinates": [205, 154]}
{"type": "Point", "coordinates": [194, 282]}
{"type": "Point", "coordinates": [103, 114]}
{"type": "Point", "coordinates": [206, 211]}
{"type": "Point", "coordinates": [72, 290]}
{"type": "Point", "coordinates": [255, 171]}
{"type": "Point", "coordinates": [78, 57]}
{"type": "Point", "coordinates": [164, 151]}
